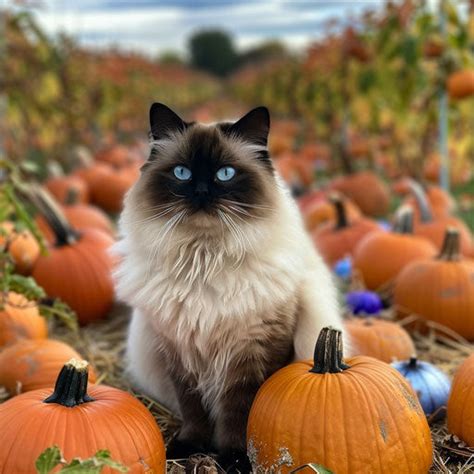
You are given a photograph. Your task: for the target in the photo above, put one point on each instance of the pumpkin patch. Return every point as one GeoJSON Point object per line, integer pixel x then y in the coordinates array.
{"type": "Point", "coordinates": [370, 157]}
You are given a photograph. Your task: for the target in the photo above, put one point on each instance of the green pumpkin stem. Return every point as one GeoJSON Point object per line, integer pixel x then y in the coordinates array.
{"type": "Point", "coordinates": [71, 385]}
{"type": "Point", "coordinates": [328, 357]}
{"type": "Point", "coordinates": [426, 214]}
{"type": "Point", "coordinates": [450, 249]}
{"type": "Point", "coordinates": [341, 214]}
{"type": "Point", "coordinates": [404, 221]}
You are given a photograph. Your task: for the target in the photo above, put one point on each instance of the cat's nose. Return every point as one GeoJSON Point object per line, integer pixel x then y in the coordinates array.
{"type": "Point", "coordinates": [201, 190]}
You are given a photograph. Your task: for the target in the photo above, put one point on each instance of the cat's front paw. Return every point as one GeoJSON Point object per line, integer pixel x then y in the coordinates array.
{"type": "Point", "coordinates": [180, 449]}
{"type": "Point", "coordinates": [235, 461]}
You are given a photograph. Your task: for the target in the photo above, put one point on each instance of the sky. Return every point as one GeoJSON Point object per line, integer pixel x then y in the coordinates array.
{"type": "Point", "coordinates": [155, 26]}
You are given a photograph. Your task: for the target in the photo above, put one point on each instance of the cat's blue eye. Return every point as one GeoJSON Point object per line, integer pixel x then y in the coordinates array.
{"type": "Point", "coordinates": [182, 173]}
{"type": "Point", "coordinates": [226, 173]}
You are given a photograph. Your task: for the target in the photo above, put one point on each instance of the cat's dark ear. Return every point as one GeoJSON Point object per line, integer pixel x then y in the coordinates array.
{"type": "Point", "coordinates": [253, 127]}
{"type": "Point", "coordinates": [163, 121]}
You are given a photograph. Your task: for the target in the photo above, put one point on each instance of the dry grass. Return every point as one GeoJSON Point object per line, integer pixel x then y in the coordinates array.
{"type": "Point", "coordinates": [103, 344]}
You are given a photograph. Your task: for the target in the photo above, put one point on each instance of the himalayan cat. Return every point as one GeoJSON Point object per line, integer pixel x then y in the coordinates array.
{"type": "Point", "coordinates": [225, 284]}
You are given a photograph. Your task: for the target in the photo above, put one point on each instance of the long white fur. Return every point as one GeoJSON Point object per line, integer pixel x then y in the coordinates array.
{"type": "Point", "coordinates": [211, 291]}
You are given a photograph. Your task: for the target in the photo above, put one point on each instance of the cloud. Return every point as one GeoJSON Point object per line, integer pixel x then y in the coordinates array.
{"type": "Point", "coordinates": [153, 26]}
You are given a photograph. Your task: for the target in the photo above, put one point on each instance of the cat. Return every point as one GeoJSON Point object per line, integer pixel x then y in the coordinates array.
{"type": "Point", "coordinates": [226, 286]}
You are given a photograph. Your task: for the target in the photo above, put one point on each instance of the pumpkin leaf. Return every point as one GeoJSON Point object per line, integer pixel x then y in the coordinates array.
{"type": "Point", "coordinates": [52, 457]}
{"type": "Point", "coordinates": [93, 465]}
{"type": "Point", "coordinates": [27, 286]}
{"type": "Point", "coordinates": [48, 460]}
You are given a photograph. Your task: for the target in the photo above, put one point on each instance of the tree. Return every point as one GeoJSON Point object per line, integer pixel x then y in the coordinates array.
{"type": "Point", "coordinates": [213, 51]}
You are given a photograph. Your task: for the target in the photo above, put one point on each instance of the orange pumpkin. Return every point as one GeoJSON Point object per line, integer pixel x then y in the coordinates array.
{"type": "Point", "coordinates": [20, 319]}
{"type": "Point", "coordinates": [461, 403]}
{"type": "Point", "coordinates": [68, 188]}
{"type": "Point", "coordinates": [350, 416]}
{"type": "Point", "coordinates": [381, 339]}
{"type": "Point", "coordinates": [294, 171]}
{"type": "Point", "coordinates": [322, 211]}
{"type": "Point", "coordinates": [441, 202]}
{"type": "Point", "coordinates": [367, 190]}
{"type": "Point", "coordinates": [78, 266]}
{"type": "Point", "coordinates": [32, 364]}
{"type": "Point", "coordinates": [80, 421]}
{"type": "Point", "coordinates": [116, 155]}
{"type": "Point", "coordinates": [434, 227]}
{"type": "Point", "coordinates": [337, 240]}
{"type": "Point", "coordinates": [461, 84]}
{"type": "Point", "coordinates": [80, 216]}
{"type": "Point", "coordinates": [22, 247]}
{"type": "Point", "coordinates": [108, 185]}
{"type": "Point", "coordinates": [93, 174]}
{"type": "Point", "coordinates": [380, 256]}
{"type": "Point", "coordinates": [441, 289]}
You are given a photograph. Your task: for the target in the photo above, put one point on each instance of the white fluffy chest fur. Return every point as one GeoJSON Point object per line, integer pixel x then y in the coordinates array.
{"type": "Point", "coordinates": [193, 291]}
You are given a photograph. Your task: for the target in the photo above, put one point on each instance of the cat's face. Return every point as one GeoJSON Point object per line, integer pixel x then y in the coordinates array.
{"type": "Point", "coordinates": [207, 174]}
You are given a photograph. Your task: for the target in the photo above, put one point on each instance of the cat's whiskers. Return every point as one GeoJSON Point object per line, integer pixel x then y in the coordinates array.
{"type": "Point", "coordinates": [245, 204]}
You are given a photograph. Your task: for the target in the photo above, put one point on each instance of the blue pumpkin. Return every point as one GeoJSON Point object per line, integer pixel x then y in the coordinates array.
{"type": "Point", "coordinates": [366, 302]}
{"type": "Point", "coordinates": [430, 383]}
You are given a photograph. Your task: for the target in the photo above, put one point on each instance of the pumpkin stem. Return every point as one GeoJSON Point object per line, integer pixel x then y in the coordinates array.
{"type": "Point", "coordinates": [328, 352]}
{"type": "Point", "coordinates": [412, 362]}
{"type": "Point", "coordinates": [426, 215]}
{"type": "Point", "coordinates": [450, 249]}
{"type": "Point", "coordinates": [404, 221]}
{"type": "Point", "coordinates": [54, 216]}
{"type": "Point", "coordinates": [341, 215]}
{"type": "Point", "coordinates": [71, 385]}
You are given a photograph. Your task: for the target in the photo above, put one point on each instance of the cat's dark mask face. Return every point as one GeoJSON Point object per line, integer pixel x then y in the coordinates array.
{"type": "Point", "coordinates": [206, 170]}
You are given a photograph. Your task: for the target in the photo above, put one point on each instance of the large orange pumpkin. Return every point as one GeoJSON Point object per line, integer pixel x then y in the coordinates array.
{"type": "Point", "coordinates": [350, 416]}
{"type": "Point", "coordinates": [380, 256]}
{"type": "Point", "coordinates": [78, 266]}
{"type": "Point", "coordinates": [461, 84]}
{"type": "Point", "coordinates": [441, 289]}
{"type": "Point", "coordinates": [335, 240]}
{"type": "Point", "coordinates": [68, 189]}
{"type": "Point", "coordinates": [381, 339]}
{"type": "Point", "coordinates": [32, 364]}
{"type": "Point", "coordinates": [22, 246]}
{"type": "Point", "coordinates": [367, 190]}
{"type": "Point", "coordinates": [80, 421]}
{"type": "Point", "coordinates": [20, 319]}
{"type": "Point", "coordinates": [461, 403]}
